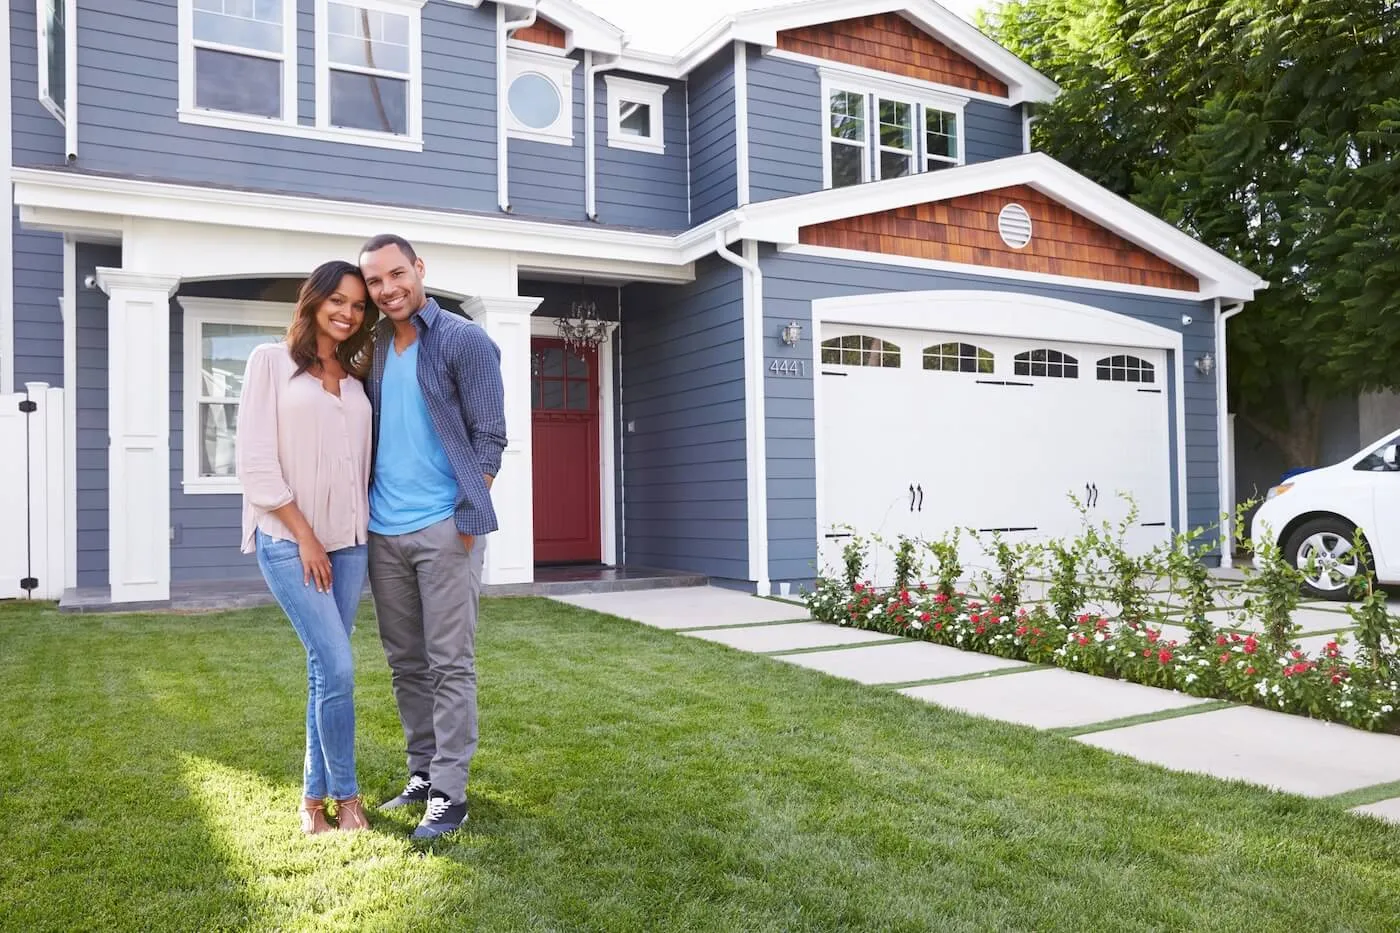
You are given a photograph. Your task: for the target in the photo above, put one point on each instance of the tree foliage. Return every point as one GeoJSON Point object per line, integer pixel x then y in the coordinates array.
{"type": "Point", "coordinates": [1269, 130]}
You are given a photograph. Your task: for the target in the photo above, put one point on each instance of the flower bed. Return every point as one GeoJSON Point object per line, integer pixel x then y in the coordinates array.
{"type": "Point", "coordinates": [1267, 668]}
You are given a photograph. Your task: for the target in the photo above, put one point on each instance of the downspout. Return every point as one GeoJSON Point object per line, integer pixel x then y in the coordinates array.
{"type": "Point", "coordinates": [1222, 421]}
{"type": "Point", "coordinates": [755, 407]}
{"type": "Point", "coordinates": [70, 79]}
{"type": "Point", "coordinates": [504, 28]}
{"type": "Point", "coordinates": [590, 130]}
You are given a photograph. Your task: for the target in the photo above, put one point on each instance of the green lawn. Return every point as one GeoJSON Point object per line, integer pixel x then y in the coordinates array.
{"type": "Point", "coordinates": [628, 779]}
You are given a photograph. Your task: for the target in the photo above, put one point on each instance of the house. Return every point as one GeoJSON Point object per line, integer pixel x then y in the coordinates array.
{"type": "Point", "coordinates": [831, 284]}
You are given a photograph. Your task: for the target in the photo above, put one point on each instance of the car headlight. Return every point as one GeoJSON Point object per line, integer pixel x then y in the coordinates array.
{"type": "Point", "coordinates": [1278, 491]}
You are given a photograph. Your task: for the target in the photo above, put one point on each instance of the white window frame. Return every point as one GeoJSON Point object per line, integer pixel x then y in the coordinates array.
{"type": "Point", "coordinates": [557, 68]}
{"type": "Point", "coordinates": [197, 313]}
{"type": "Point", "coordinates": [413, 9]}
{"type": "Point", "coordinates": [918, 94]}
{"type": "Point", "coordinates": [627, 90]}
{"type": "Point", "coordinates": [916, 114]}
{"type": "Point", "coordinates": [41, 13]}
{"type": "Point", "coordinates": [288, 58]}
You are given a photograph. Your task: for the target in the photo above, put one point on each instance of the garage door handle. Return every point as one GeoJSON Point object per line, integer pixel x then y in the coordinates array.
{"type": "Point", "coordinates": [921, 497]}
{"type": "Point", "coordinates": [911, 497]}
{"type": "Point", "coordinates": [1096, 495]}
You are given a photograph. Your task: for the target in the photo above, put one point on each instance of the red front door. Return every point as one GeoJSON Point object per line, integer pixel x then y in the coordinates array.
{"type": "Point", "coordinates": [564, 400]}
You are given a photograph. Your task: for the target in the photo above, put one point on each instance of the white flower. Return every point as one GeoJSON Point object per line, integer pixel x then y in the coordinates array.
{"type": "Point", "coordinates": [1190, 678]}
{"type": "Point", "coordinates": [1263, 689]}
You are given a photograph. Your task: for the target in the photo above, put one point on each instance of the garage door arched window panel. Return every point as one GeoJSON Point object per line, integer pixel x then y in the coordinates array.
{"type": "Point", "coordinates": [860, 350]}
{"type": "Point", "coordinates": [1124, 368]}
{"type": "Point", "coordinates": [1052, 364]}
{"type": "Point", "coordinates": [958, 358]}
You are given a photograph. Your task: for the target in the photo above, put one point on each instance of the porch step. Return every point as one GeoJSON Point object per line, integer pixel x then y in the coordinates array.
{"type": "Point", "coordinates": [222, 595]}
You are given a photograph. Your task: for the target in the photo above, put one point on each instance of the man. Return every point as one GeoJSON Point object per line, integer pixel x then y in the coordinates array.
{"type": "Point", "coordinates": [439, 430]}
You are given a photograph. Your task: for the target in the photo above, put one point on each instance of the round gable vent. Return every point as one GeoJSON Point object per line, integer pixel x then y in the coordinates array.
{"type": "Point", "coordinates": [1014, 225]}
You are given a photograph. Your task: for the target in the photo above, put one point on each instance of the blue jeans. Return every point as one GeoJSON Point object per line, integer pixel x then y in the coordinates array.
{"type": "Point", "coordinates": [323, 622]}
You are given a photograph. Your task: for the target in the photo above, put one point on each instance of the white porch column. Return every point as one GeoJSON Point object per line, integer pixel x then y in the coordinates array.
{"type": "Point", "coordinates": [510, 552]}
{"type": "Point", "coordinates": [138, 411]}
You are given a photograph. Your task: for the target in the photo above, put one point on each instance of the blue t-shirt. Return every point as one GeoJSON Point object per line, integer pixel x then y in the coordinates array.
{"type": "Point", "coordinates": [414, 485]}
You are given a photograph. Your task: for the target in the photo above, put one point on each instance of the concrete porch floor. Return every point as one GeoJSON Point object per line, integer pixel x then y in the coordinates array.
{"type": "Point", "coordinates": [216, 595]}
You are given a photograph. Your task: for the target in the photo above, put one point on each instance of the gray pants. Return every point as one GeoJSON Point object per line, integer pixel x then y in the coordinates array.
{"type": "Point", "coordinates": [426, 590]}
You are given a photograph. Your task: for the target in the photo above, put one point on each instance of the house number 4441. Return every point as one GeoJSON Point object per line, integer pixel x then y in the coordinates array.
{"type": "Point", "coordinates": [796, 368]}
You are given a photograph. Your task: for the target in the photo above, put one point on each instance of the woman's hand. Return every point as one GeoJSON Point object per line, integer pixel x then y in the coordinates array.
{"type": "Point", "coordinates": [315, 563]}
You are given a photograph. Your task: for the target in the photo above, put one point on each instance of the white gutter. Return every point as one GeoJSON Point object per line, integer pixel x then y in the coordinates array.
{"type": "Point", "coordinates": [504, 28]}
{"type": "Point", "coordinates": [1224, 441]}
{"type": "Point", "coordinates": [741, 121]}
{"type": "Point", "coordinates": [755, 408]}
{"type": "Point", "coordinates": [590, 131]}
{"type": "Point", "coordinates": [70, 79]}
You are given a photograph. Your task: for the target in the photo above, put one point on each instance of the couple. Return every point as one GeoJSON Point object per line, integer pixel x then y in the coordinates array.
{"type": "Point", "coordinates": [392, 478]}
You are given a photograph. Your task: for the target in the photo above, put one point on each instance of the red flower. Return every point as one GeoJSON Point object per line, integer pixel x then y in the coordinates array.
{"type": "Point", "coordinates": [1020, 630]}
{"type": "Point", "coordinates": [923, 587]}
{"type": "Point", "coordinates": [1147, 652]}
{"type": "Point", "coordinates": [1152, 636]}
{"type": "Point", "coordinates": [1102, 624]}
{"type": "Point", "coordinates": [938, 626]}
{"type": "Point", "coordinates": [1297, 654]}
{"type": "Point", "coordinates": [924, 617]}
{"type": "Point", "coordinates": [996, 600]}
{"type": "Point", "coordinates": [1164, 656]}
{"type": "Point", "coordinates": [1336, 678]}
{"type": "Point", "coordinates": [975, 618]}
{"type": "Point", "coordinates": [1221, 640]}
{"type": "Point", "coordinates": [1036, 632]}
{"type": "Point", "coordinates": [860, 588]}
{"type": "Point", "coordinates": [1249, 671]}
{"type": "Point", "coordinates": [941, 598]}
{"type": "Point", "coordinates": [899, 619]}
{"type": "Point", "coordinates": [865, 601]}
{"type": "Point", "coordinates": [979, 630]}
{"type": "Point", "coordinates": [1251, 645]}
{"type": "Point", "coordinates": [1234, 636]}
{"type": "Point", "coordinates": [1224, 659]}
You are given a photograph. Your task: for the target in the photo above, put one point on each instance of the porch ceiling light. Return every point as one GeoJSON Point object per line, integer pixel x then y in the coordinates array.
{"type": "Point", "coordinates": [582, 330]}
{"type": "Point", "coordinates": [791, 333]}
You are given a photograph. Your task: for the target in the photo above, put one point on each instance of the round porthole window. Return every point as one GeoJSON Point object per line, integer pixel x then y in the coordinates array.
{"type": "Point", "coordinates": [534, 101]}
{"type": "Point", "coordinates": [1014, 225]}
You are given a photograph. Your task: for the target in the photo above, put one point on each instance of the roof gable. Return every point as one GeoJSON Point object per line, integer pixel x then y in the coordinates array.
{"type": "Point", "coordinates": [965, 230]}
{"type": "Point", "coordinates": [890, 43]}
{"type": "Point", "coordinates": [543, 32]}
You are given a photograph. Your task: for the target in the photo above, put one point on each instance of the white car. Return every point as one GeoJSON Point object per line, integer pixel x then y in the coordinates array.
{"type": "Point", "coordinates": [1313, 517]}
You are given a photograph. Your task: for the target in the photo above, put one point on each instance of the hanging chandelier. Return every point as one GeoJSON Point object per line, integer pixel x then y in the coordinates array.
{"type": "Point", "coordinates": [582, 330]}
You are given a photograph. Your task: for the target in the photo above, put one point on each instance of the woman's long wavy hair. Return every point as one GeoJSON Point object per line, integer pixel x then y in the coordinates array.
{"type": "Point", "coordinates": [355, 353]}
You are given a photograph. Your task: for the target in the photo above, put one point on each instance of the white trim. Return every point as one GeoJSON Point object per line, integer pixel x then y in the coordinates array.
{"type": "Point", "coordinates": [607, 436]}
{"type": "Point", "coordinates": [996, 272]}
{"type": "Point", "coordinates": [69, 303]}
{"type": "Point", "coordinates": [249, 124]}
{"type": "Point", "coordinates": [7, 228]}
{"type": "Point", "coordinates": [628, 90]}
{"type": "Point", "coordinates": [582, 27]}
{"type": "Point", "coordinates": [557, 71]}
{"type": "Point", "coordinates": [70, 84]}
{"type": "Point", "coordinates": [741, 122]}
{"type": "Point", "coordinates": [41, 15]}
{"type": "Point", "coordinates": [198, 312]}
{"type": "Point", "coordinates": [996, 314]}
{"type": "Point", "coordinates": [1225, 431]}
{"type": "Point", "coordinates": [412, 138]}
{"type": "Point", "coordinates": [288, 58]}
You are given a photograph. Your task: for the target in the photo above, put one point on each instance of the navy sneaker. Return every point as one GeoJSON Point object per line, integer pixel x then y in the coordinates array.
{"type": "Point", "coordinates": [415, 791]}
{"type": "Point", "coordinates": [443, 817]}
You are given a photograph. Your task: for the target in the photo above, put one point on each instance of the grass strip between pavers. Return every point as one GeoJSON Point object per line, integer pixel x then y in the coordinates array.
{"type": "Point", "coordinates": [720, 628]}
{"type": "Point", "coordinates": [1126, 721]}
{"type": "Point", "coordinates": [1363, 796]}
{"type": "Point", "coordinates": [860, 644]}
{"type": "Point", "coordinates": [959, 678]}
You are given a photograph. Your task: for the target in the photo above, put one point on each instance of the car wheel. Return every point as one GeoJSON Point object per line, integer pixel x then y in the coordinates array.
{"type": "Point", "coordinates": [1323, 552]}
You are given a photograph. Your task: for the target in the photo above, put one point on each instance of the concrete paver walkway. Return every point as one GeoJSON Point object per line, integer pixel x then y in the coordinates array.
{"type": "Point", "coordinates": [1290, 753]}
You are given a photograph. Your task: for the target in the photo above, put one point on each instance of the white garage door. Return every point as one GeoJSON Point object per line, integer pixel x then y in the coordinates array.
{"type": "Point", "coordinates": [923, 432]}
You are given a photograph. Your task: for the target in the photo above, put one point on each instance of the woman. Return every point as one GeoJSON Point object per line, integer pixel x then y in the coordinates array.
{"type": "Point", "coordinates": [304, 436]}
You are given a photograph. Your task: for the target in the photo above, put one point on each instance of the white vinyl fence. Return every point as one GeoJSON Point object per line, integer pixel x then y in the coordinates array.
{"type": "Point", "coordinates": [32, 520]}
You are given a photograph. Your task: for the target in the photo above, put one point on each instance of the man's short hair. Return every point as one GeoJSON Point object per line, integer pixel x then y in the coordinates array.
{"type": "Point", "coordinates": [374, 244]}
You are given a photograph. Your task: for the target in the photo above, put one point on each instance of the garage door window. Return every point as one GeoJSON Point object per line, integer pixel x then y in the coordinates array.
{"type": "Point", "coordinates": [1125, 369]}
{"type": "Point", "coordinates": [1049, 363]}
{"type": "Point", "coordinates": [859, 350]}
{"type": "Point", "coordinates": [957, 358]}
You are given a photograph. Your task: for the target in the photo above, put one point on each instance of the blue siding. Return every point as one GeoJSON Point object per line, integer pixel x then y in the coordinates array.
{"type": "Point", "coordinates": [713, 165]}
{"type": "Point", "coordinates": [791, 283]}
{"type": "Point", "coordinates": [38, 286]}
{"type": "Point", "coordinates": [92, 416]}
{"type": "Point", "coordinates": [785, 128]}
{"type": "Point", "coordinates": [992, 131]}
{"type": "Point", "coordinates": [37, 134]}
{"type": "Point", "coordinates": [546, 180]}
{"type": "Point", "coordinates": [130, 97]}
{"type": "Point", "coordinates": [644, 189]}
{"type": "Point", "coordinates": [685, 463]}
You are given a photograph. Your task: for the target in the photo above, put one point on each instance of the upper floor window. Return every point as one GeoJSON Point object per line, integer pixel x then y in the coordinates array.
{"type": "Point", "coordinates": [883, 130]}
{"type": "Point", "coordinates": [860, 350]}
{"type": "Point", "coordinates": [1049, 363]}
{"type": "Point", "coordinates": [53, 55]}
{"type": "Point", "coordinates": [539, 99]}
{"type": "Point", "coordinates": [635, 115]}
{"type": "Point", "coordinates": [368, 66]}
{"type": "Point", "coordinates": [239, 57]}
{"type": "Point", "coordinates": [1125, 369]}
{"type": "Point", "coordinates": [958, 358]}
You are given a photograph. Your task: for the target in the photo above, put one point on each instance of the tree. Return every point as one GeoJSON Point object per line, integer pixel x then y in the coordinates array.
{"type": "Point", "coordinates": [1269, 130]}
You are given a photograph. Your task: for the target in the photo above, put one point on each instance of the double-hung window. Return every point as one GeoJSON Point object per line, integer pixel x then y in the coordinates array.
{"type": "Point", "coordinates": [877, 130]}
{"type": "Point", "coordinates": [239, 57]}
{"type": "Point", "coordinates": [53, 55]}
{"type": "Point", "coordinates": [368, 66]}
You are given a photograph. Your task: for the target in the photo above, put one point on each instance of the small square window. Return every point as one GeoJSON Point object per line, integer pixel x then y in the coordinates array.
{"type": "Point", "coordinates": [635, 116]}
